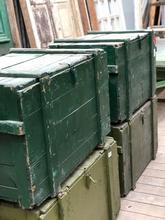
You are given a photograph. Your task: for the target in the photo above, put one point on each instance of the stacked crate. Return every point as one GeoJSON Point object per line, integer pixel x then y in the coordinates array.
{"type": "Point", "coordinates": [132, 80]}
{"type": "Point", "coordinates": [54, 114]}
{"type": "Point", "coordinates": [87, 194]}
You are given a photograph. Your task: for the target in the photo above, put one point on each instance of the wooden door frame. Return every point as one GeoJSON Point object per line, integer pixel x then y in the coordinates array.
{"type": "Point", "coordinates": [77, 16]}
{"type": "Point", "coordinates": [13, 24]}
{"type": "Point", "coordinates": [92, 15]}
{"type": "Point", "coordinates": [84, 15]}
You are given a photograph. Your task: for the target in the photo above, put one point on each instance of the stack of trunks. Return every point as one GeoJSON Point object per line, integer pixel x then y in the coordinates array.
{"type": "Point", "coordinates": [57, 161]}
{"type": "Point", "coordinates": [133, 104]}
{"type": "Point", "coordinates": [78, 125]}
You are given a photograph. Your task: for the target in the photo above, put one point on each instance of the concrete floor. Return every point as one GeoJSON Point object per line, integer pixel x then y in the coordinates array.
{"type": "Point", "coordinates": [147, 201]}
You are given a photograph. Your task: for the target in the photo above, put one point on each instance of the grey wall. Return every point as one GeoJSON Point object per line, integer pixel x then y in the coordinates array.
{"type": "Point", "coordinates": [128, 7]}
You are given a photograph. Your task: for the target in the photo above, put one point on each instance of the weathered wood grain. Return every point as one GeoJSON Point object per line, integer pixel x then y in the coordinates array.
{"type": "Point", "coordinates": [125, 215]}
{"type": "Point", "coordinates": [147, 201]}
{"type": "Point", "coordinates": [142, 208]}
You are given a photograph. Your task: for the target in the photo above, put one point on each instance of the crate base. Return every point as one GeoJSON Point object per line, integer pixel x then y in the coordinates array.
{"type": "Point", "coordinates": [92, 192]}
{"type": "Point", "coordinates": [138, 144]}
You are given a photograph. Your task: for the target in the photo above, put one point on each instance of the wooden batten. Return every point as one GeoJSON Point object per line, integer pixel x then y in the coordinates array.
{"type": "Point", "coordinates": [92, 15]}
{"type": "Point", "coordinates": [29, 22]}
{"type": "Point", "coordinates": [13, 24]}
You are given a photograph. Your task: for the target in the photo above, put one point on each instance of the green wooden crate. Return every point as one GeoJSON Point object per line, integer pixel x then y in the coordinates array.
{"type": "Point", "coordinates": [45, 104]}
{"type": "Point", "coordinates": [92, 192]}
{"type": "Point", "coordinates": [131, 64]}
{"type": "Point", "coordinates": [5, 33]}
{"type": "Point", "coordinates": [138, 144]}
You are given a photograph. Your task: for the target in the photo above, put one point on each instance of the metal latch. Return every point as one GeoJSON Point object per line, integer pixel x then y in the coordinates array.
{"type": "Point", "coordinates": [112, 69]}
{"type": "Point", "coordinates": [73, 73]}
{"type": "Point", "coordinates": [89, 180]}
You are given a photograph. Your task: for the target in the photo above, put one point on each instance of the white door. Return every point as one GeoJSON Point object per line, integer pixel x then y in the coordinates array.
{"type": "Point", "coordinates": [46, 20]}
{"type": "Point", "coordinates": [110, 14]}
{"type": "Point", "coordinates": [66, 17]}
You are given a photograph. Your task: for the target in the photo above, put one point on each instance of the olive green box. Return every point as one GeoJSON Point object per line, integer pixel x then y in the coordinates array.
{"type": "Point", "coordinates": [131, 64]}
{"type": "Point", "coordinates": [53, 112]}
{"type": "Point", "coordinates": [48, 211]}
{"type": "Point", "coordinates": [92, 192]}
{"type": "Point", "coordinates": [138, 141]}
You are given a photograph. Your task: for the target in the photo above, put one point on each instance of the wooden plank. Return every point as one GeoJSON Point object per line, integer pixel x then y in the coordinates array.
{"type": "Point", "coordinates": [125, 215]}
{"type": "Point", "coordinates": [29, 22]}
{"type": "Point", "coordinates": [160, 2]}
{"type": "Point", "coordinates": [149, 189]}
{"type": "Point", "coordinates": [156, 166]}
{"type": "Point", "coordinates": [77, 17]}
{"type": "Point", "coordinates": [67, 19]}
{"type": "Point", "coordinates": [146, 198]}
{"type": "Point", "coordinates": [84, 16]}
{"type": "Point", "coordinates": [160, 15]}
{"type": "Point", "coordinates": [161, 149]}
{"type": "Point", "coordinates": [152, 13]}
{"type": "Point", "coordinates": [153, 181]}
{"type": "Point", "coordinates": [43, 21]}
{"type": "Point", "coordinates": [160, 158]}
{"type": "Point", "coordinates": [141, 208]}
{"type": "Point", "coordinates": [161, 143]}
{"type": "Point", "coordinates": [92, 15]}
{"type": "Point", "coordinates": [161, 138]}
{"type": "Point", "coordinates": [13, 24]}
{"type": "Point", "coordinates": [154, 173]}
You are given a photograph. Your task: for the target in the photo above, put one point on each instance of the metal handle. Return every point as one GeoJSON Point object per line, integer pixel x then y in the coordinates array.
{"type": "Point", "coordinates": [89, 180]}
{"type": "Point", "coordinates": [113, 69]}
{"type": "Point", "coordinates": [73, 73]}
{"type": "Point", "coordinates": [12, 127]}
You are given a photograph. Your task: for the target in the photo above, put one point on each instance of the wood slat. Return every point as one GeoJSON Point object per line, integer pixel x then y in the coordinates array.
{"type": "Point", "coordinates": [29, 22]}
{"type": "Point", "coordinates": [92, 15]}
{"type": "Point", "coordinates": [141, 208]}
{"type": "Point", "coordinates": [161, 150]}
{"type": "Point", "coordinates": [154, 173]}
{"type": "Point", "coordinates": [125, 215]}
{"type": "Point", "coordinates": [84, 16]}
{"type": "Point", "coordinates": [156, 165]}
{"type": "Point", "coordinates": [149, 189]}
{"type": "Point", "coordinates": [152, 13]}
{"type": "Point", "coordinates": [13, 24]}
{"type": "Point", "coordinates": [160, 15]}
{"type": "Point", "coordinates": [154, 181]}
{"type": "Point", "coordinates": [160, 158]}
{"type": "Point", "coordinates": [146, 198]}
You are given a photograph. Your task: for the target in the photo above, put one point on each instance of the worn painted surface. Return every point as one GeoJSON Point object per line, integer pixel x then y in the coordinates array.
{"type": "Point", "coordinates": [131, 64]}
{"type": "Point", "coordinates": [5, 32]}
{"type": "Point", "coordinates": [59, 102]}
{"type": "Point", "coordinates": [48, 211]}
{"type": "Point", "coordinates": [138, 144]}
{"type": "Point", "coordinates": [92, 192]}
{"type": "Point", "coordinates": [147, 201]}
{"type": "Point", "coordinates": [51, 19]}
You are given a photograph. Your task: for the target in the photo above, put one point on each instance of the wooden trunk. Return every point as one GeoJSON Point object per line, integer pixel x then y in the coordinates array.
{"type": "Point", "coordinates": [53, 113]}
{"type": "Point", "coordinates": [138, 144]}
{"type": "Point", "coordinates": [92, 192]}
{"type": "Point", "coordinates": [131, 64]}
